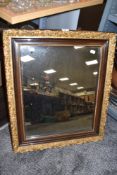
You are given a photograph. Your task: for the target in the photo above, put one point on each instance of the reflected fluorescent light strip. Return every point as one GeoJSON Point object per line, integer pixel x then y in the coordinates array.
{"type": "Point", "coordinates": [95, 73]}
{"type": "Point", "coordinates": [92, 51]}
{"type": "Point", "coordinates": [73, 84]}
{"type": "Point", "coordinates": [78, 47]}
{"type": "Point", "coordinates": [50, 71]}
{"type": "Point", "coordinates": [34, 84]}
{"type": "Point", "coordinates": [26, 89]}
{"type": "Point", "coordinates": [88, 63]}
{"type": "Point", "coordinates": [31, 49]}
{"type": "Point", "coordinates": [27, 58]}
{"type": "Point", "coordinates": [79, 88]}
{"type": "Point", "coordinates": [64, 79]}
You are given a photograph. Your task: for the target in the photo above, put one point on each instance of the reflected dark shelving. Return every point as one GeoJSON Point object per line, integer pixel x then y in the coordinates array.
{"type": "Point", "coordinates": [54, 106]}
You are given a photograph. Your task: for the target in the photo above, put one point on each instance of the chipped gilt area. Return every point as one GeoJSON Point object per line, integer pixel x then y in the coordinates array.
{"type": "Point", "coordinates": [8, 35]}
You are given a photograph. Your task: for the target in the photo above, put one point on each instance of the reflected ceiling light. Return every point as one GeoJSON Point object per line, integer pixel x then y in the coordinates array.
{"type": "Point", "coordinates": [31, 49]}
{"type": "Point", "coordinates": [73, 84]}
{"type": "Point", "coordinates": [95, 73]}
{"type": "Point", "coordinates": [79, 88]}
{"type": "Point", "coordinates": [27, 58]}
{"type": "Point", "coordinates": [78, 47]}
{"type": "Point", "coordinates": [50, 71]}
{"type": "Point", "coordinates": [34, 84]}
{"type": "Point", "coordinates": [92, 51]}
{"type": "Point", "coordinates": [64, 79]}
{"type": "Point", "coordinates": [88, 63]}
{"type": "Point", "coordinates": [26, 89]}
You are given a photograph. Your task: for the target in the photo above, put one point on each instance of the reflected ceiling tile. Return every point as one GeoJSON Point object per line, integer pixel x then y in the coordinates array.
{"type": "Point", "coordinates": [79, 88]}
{"type": "Point", "coordinates": [92, 62]}
{"type": "Point", "coordinates": [92, 51]}
{"type": "Point", "coordinates": [73, 84]}
{"type": "Point", "coordinates": [95, 73]}
{"type": "Point", "coordinates": [50, 71]}
{"type": "Point", "coordinates": [27, 58]}
{"type": "Point", "coordinates": [64, 79]}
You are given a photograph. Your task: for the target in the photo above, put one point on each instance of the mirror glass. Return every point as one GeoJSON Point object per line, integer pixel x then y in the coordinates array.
{"type": "Point", "coordinates": [59, 85]}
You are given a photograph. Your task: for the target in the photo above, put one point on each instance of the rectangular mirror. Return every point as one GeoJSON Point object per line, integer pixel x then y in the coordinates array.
{"type": "Point", "coordinates": [58, 86]}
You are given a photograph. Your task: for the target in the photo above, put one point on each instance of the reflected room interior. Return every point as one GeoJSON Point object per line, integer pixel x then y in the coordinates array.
{"type": "Point", "coordinates": [59, 88]}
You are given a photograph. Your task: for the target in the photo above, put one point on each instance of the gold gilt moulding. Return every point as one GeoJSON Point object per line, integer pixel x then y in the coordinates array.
{"type": "Point", "coordinates": [58, 86]}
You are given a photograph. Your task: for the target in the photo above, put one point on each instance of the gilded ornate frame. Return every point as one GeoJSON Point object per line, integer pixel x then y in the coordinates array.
{"type": "Point", "coordinates": [8, 35]}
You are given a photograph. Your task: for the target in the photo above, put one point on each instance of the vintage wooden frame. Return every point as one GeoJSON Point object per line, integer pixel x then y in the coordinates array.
{"type": "Point", "coordinates": [107, 43]}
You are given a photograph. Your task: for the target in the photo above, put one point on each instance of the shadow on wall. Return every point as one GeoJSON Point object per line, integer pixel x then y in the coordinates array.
{"type": "Point", "coordinates": [90, 17]}
{"type": "Point", "coordinates": [3, 106]}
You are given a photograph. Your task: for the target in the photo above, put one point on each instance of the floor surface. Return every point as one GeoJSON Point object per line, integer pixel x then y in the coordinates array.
{"type": "Point", "coordinates": [98, 158]}
{"type": "Point", "coordinates": [77, 123]}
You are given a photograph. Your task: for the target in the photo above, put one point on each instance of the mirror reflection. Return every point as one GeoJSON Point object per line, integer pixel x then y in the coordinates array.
{"type": "Point", "coordinates": [59, 87]}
